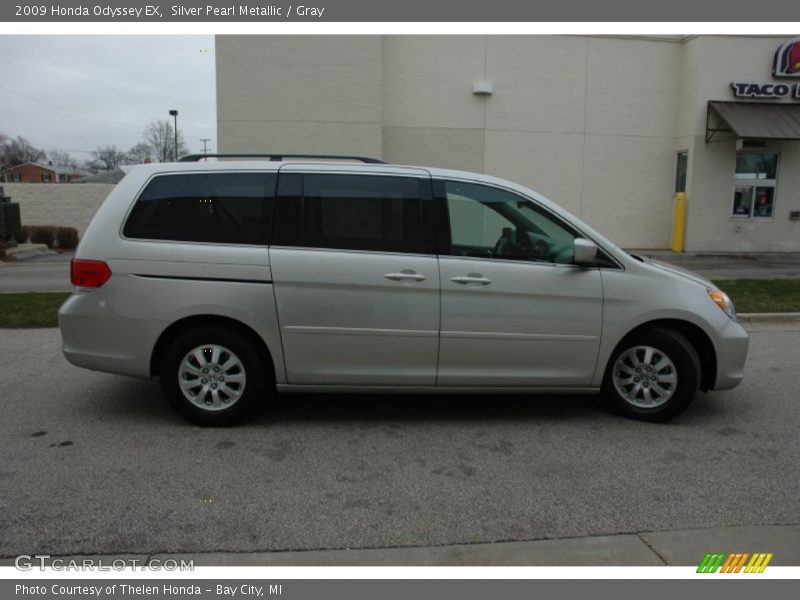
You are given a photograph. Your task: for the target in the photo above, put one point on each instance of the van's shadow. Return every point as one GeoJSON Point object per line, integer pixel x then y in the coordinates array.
{"type": "Point", "coordinates": [141, 400]}
{"type": "Point", "coordinates": [428, 407]}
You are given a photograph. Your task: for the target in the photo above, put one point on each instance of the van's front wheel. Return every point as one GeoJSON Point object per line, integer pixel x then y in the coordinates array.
{"type": "Point", "coordinates": [212, 376]}
{"type": "Point", "coordinates": [652, 375]}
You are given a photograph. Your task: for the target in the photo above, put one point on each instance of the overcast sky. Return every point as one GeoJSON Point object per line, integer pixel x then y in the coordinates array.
{"type": "Point", "coordinates": [75, 93]}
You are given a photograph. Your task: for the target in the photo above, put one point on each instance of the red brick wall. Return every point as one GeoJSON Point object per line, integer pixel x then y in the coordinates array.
{"type": "Point", "coordinates": [30, 174]}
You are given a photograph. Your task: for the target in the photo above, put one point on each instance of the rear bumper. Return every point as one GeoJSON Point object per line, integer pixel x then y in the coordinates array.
{"type": "Point", "coordinates": [95, 337]}
{"type": "Point", "coordinates": [731, 345]}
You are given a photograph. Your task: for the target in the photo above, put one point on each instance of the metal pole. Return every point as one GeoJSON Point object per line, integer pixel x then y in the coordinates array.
{"type": "Point", "coordinates": [679, 222]}
{"type": "Point", "coordinates": [174, 113]}
{"type": "Point", "coordinates": [205, 141]}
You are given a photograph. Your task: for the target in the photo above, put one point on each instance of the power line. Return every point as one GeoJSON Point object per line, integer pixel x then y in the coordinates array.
{"type": "Point", "coordinates": [66, 110]}
{"type": "Point", "coordinates": [50, 147]}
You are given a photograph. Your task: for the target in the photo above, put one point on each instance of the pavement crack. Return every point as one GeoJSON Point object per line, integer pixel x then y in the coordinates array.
{"type": "Point", "coordinates": [653, 549]}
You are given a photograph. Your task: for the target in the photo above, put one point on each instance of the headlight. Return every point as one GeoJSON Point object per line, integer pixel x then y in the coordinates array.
{"type": "Point", "coordinates": [721, 299]}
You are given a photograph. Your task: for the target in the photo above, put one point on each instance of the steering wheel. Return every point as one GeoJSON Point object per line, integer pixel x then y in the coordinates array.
{"type": "Point", "coordinates": [513, 243]}
{"type": "Point", "coordinates": [540, 250]}
{"type": "Point", "coordinates": [504, 243]}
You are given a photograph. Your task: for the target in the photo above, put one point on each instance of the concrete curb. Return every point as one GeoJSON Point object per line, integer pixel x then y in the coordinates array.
{"type": "Point", "coordinates": [25, 251]}
{"type": "Point", "coordinates": [754, 319]}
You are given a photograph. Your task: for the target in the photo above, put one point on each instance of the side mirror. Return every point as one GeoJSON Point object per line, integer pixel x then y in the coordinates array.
{"type": "Point", "coordinates": [585, 251]}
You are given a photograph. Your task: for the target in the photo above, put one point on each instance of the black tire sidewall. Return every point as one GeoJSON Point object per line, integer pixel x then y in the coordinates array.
{"type": "Point", "coordinates": [246, 350]}
{"type": "Point", "coordinates": [687, 364]}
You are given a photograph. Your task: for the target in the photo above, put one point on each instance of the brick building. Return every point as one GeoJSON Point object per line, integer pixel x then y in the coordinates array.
{"type": "Point", "coordinates": [32, 172]}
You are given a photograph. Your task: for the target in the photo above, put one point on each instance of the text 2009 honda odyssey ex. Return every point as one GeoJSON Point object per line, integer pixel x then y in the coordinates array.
{"type": "Point", "coordinates": [231, 280]}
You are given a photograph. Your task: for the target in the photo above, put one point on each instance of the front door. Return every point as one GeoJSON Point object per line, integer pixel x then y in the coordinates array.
{"type": "Point", "coordinates": [516, 311]}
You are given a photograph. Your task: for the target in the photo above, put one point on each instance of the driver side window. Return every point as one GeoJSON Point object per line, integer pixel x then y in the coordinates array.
{"type": "Point", "coordinates": [487, 222]}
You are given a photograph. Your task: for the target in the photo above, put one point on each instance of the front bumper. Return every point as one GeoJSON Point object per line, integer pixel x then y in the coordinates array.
{"type": "Point", "coordinates": [731, 344]}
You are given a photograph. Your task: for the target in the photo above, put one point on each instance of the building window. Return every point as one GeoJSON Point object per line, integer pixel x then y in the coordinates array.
{"type": "Point", "coordinates": [681, 167]}
{"type": "Point", "coordinates": [754, 185]}
{"type": "Point", "coordinates": [15, 176]}
{"type": "Point", "coordinates": [46, 177]}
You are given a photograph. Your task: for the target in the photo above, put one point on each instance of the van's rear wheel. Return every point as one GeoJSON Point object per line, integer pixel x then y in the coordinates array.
{"type": "Point", "coordinates": [213, 376]}
{"type": "Point", "coordinates": [652, 375]}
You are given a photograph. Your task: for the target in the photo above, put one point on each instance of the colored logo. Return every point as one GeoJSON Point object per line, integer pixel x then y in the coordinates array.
{"type": "Point", "coordinates": [735, 563]}
{"type": "Point", "coordinates": [787, 59]}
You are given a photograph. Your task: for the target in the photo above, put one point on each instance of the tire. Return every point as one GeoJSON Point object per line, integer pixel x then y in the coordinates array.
{"type": "Point", "coordinates": [667, 380]}
{"type": "Point", "coordinates": [235, 367]}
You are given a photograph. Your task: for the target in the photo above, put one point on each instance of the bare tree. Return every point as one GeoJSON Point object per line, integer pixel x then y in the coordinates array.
{"type": "Point", "coordinates": [107, 158]}
{"type": "Point", "coordinates": [63, 159]}
{"type": "Point", "coordinates": [160, 136]}
{"type": "Point", "coordinates": [59, 158]}
{"type": "Point", "coordinates": [140, 153]}
{"type": "Point", "coordinates": [17, 151]}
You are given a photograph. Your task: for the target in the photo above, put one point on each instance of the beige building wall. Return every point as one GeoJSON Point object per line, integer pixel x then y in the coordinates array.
{"type": "Point", "coordinates": [303, 94]}
{"type": "Point", "coordinates": [592, 122]}
{"type": "Point", "coordinates": [561, 119]}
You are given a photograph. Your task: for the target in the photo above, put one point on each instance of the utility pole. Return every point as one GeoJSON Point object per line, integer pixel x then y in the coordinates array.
{"type": "Point", "coordinates": [205, 141]}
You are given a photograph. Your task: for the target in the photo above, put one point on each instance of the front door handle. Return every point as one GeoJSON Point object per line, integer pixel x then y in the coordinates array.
{"type": "Point", "coordinates": [405, 275]}
{"type": "Point", "coordinates": [473, 279]}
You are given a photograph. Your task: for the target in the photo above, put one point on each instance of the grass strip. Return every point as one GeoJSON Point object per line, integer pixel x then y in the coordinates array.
{"type": "Point", "coordinates": [762, 295]}
{"type": "Point", "coordinates": [30, 309]}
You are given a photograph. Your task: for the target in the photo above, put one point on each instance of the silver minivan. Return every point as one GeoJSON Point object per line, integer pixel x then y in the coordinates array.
{"type": "Point", "coordinates": [231, 280]}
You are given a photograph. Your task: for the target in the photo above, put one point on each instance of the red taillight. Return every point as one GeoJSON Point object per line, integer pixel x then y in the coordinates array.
{"type": "Point", "coordinates": [89, 273]}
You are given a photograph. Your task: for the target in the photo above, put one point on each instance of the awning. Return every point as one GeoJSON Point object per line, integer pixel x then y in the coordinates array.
{"type": "Point", "coordinates": [760, 120]}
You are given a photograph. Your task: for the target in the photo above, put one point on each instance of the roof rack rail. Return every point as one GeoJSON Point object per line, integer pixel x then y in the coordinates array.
{"type": "Point", "coordinates": [279, 157]}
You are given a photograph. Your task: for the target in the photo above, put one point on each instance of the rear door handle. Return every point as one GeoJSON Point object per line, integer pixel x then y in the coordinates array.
{"type": "Point", "coordinates": [473, 279]}
{"type": "Point", "coordinates": [405, 275]}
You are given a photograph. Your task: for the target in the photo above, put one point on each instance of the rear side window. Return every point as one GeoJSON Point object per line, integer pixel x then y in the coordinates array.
{"type": "Point", "coordinates": [353, 212]}
{"type": "Point", "coordinates": [223, 208]}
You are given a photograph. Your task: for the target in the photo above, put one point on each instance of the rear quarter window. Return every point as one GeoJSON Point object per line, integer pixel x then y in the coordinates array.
{"type": "Point", "coordinates": [222, 208]}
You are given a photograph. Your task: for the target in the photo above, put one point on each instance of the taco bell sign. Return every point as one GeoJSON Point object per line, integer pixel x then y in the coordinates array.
{"type": "Point", "coordinates": [750, 89]}
{"type": "Point", "coordinates": [787, 59]}
{"type": "Point", "coordinates": [786, 65]}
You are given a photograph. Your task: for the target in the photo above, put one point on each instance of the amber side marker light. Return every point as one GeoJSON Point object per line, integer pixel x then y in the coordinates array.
{"type": "Point", "coordinates": [89, 273]}
{"type": "Point", "coordinates": [722, 300]}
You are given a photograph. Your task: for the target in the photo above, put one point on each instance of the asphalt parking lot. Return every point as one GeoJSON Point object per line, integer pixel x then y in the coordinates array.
{"type": "Point", "coordinates": [94, 463]}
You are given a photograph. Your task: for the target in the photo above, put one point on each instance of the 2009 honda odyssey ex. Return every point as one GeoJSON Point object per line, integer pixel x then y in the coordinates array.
{"type": "Point", "coordinates": [230, 280]}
